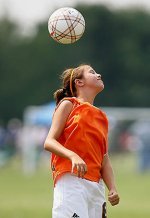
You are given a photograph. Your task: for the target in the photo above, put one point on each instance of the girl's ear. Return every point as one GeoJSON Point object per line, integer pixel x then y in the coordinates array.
{"type": "Point", "coordinates": [79, 82]}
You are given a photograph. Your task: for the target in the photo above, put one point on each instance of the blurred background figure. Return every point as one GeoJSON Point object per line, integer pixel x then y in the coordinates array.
{"type": "Point", "coordinates": [30, 144]}
{"type": "Point", "coordinates": [141, 130]}
{"type": "Point", "coordinates": [8, 140]}
{"type": "Point", "coordinates": [3, 154]}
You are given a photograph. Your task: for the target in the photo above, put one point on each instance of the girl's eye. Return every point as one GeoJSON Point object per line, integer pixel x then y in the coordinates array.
{"type": "Point", "coordinates": [92, 71]}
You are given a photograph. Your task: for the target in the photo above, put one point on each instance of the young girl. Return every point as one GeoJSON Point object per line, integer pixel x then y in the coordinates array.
{"type": "Point", "coordinates": [79, 146]}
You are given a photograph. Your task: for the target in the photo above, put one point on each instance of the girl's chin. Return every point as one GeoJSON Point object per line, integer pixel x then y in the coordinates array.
{"type": "Point", "coordinates": [101, 88]}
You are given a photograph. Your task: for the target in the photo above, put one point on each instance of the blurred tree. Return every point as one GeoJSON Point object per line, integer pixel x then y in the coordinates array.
{"type": "Point", "coordinates": [115, 43]}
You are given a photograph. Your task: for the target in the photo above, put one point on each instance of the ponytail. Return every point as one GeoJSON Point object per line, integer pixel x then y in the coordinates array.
{"type": "Point", "coordinates": [59, 95]}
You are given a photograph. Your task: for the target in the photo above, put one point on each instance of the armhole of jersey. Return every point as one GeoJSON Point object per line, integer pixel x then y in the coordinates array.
{"type": "Point", "coordinates": [105, 153]}
{"type": "Point", "coordinates": [71, 99]}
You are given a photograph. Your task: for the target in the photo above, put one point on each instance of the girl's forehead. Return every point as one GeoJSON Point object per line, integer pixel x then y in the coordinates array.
{"type": "Point", "coordinates": [87, 68]}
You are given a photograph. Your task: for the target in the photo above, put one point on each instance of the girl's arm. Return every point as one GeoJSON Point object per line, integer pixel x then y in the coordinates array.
{"type": "Point", "coordinates": [52, 145]}
{"type": "Point", "coordinates": [108, 177]}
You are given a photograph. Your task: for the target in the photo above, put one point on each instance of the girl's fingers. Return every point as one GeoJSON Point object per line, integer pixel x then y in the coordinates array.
{"type": "Point", "coordinates": [81, 169]}
{"type": "Point", "coordinates": [73, 167]}
{"type": "Point", "coordinates": [78, 170]}
{"type": "Point", "coordinates": [113, 199]}
{"type": "Point", "coordinates": [114, 202]}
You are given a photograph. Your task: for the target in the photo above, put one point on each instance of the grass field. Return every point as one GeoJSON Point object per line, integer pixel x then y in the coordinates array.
{"type": "Point", "coordinates": [31, 196]}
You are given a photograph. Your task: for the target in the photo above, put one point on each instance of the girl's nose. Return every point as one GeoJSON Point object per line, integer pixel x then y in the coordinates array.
{"type": "Point", "coordinates": [99, 76]}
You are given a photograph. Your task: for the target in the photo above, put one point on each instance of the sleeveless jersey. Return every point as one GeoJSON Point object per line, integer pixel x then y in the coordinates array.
{"type": "Point", "coordinates": [85, 133]}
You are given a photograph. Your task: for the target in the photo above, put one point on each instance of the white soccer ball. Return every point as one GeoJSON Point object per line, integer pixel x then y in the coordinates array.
{"type": "Point", "coordinates": [66, 25]}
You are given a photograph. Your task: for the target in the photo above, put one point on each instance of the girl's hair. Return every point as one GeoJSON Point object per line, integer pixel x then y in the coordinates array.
{"type": "Point", "coordinates": [68, 83]}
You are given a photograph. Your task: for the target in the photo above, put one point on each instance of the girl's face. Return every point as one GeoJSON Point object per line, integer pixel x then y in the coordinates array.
{"type": "Point", "coordinates": [92, 79]}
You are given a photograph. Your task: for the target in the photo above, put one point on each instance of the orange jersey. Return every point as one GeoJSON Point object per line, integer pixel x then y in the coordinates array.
{"type": "Point", "coordinates": [85, 133]}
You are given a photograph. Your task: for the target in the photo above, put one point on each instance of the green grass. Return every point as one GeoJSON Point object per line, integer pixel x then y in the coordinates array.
{"type": "Point", "coordinates": [133, 187]}
{"type": "Point", "coordinates": [24, 196]}
{"type": "Point", "coordinates": [31, 196]}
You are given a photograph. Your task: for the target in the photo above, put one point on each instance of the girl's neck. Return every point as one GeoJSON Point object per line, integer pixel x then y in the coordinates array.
{"type": "Point", "coordinates": [86, 99]}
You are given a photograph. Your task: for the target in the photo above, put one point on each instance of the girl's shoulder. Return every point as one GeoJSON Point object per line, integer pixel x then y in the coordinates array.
{"type": "Point", "coordinates": [69, 101]}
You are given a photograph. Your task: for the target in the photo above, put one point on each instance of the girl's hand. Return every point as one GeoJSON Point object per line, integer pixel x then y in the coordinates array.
{"type": "Point", "coordinates": [79, 164]}
{"type": "Point", "coordinates": [113, 197]}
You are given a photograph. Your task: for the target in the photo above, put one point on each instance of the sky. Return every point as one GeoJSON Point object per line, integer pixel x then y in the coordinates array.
{"type": "Point", "coordinates": [27, 13]}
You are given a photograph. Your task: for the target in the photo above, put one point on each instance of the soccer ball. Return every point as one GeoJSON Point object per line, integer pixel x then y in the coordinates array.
{"type": "Point", "coordinates": [66, 25]}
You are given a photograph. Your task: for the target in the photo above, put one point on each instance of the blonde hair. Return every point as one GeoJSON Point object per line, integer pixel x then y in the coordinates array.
{"type": "Point", "coordinates": [68, 83]}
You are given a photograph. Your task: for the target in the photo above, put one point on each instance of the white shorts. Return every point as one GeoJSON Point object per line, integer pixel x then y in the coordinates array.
{"type": "Point", "coordinates": [77, 197]}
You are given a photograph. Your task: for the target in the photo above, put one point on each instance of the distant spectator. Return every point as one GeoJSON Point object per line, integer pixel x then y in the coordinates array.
{"type": "Point", "coordinates": [141, 129]}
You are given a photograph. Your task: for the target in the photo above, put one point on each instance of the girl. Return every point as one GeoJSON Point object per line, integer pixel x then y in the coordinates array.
{"type": "Point", "coordinates": [78, 142]}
